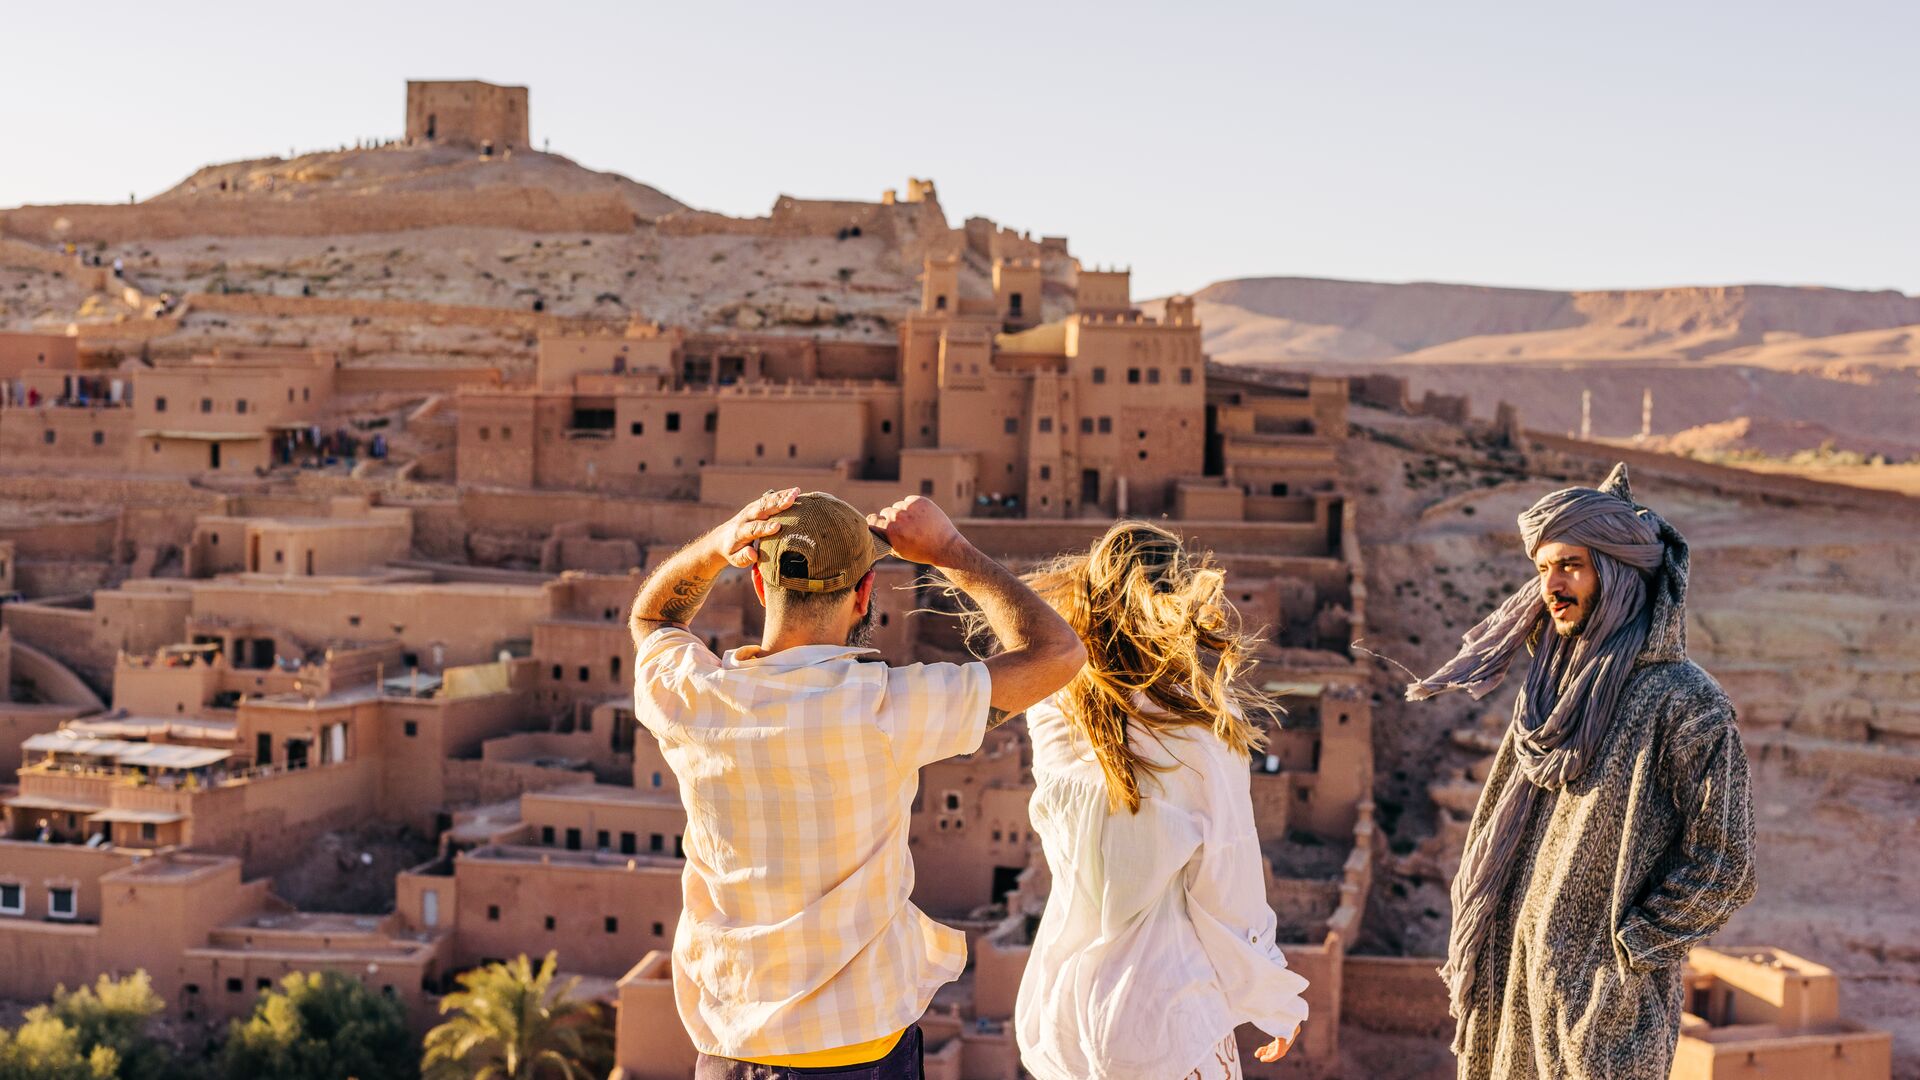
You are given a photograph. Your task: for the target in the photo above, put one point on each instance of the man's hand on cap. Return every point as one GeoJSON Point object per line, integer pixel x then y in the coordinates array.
{"type": "Point", "coordinates": [740, 537]}
{"type": "Point", "coordinates": [919, 531]}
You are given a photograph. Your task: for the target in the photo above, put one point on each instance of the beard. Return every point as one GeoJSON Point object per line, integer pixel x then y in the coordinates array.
{"type": "Point", "coordinates": [862, 633]}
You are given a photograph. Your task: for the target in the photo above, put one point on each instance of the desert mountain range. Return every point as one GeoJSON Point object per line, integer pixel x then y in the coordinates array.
{"type": "Point", "coordinates": [1766, 369]}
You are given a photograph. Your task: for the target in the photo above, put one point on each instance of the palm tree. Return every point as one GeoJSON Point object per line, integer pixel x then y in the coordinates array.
{"type": "Point", "coordinates": [511, 1022]}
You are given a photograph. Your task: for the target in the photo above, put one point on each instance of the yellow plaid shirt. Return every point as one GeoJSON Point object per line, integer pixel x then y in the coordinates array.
{"type": "Point", "coordinates": [798, 770]}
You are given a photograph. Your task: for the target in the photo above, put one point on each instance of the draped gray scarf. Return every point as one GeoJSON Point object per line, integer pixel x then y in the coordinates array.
{"type": "Point", "coordinates": [1563, 712]}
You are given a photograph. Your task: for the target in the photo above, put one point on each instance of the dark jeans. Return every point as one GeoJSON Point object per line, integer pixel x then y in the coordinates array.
{"type": "Point", "coordinates": [901, 1063]}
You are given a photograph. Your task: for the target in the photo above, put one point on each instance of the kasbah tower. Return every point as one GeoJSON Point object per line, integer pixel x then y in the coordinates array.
{"type": "Point", "coordinates": [364, 616]}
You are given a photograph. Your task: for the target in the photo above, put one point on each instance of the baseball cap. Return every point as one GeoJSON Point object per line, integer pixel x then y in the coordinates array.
{"type": "Point", "coordinates": [824, 545]}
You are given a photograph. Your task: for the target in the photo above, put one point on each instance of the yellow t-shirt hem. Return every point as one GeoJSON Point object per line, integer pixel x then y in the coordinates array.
{"type": "Point", "coordinates": [857, 1054]}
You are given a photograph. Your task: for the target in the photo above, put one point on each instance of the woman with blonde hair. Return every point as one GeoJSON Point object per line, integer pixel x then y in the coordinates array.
{"type": "Point", "coordinates": [1157, 941]}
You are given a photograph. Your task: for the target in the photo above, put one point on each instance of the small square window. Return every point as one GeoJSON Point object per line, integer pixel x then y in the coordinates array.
{"type": "Point", "coordinates": [1099, 375]}
{"type": "Point", "coordinates": [953, 800]}
{"type": "Point", "coordinates": [659, 930]}
{"type": "Point", "coordinates": [546, 835]}
{"type": "Point", "coordinates": [352, 620]}
{"type": "Point", "coordinates": [234, 986]}
{"type": "Point", "coordinates": [1153, 376]}
{"type": "Point", "coordinates": [267, 984]}
{"type": "Point", "coordinates": [1046, 472]}
{"type": "Point", "coordinates": [1086, 425]}
{"type": "Point", "coordinates": [47, 436]}
{"type": "Point", "coordinates": [1186, 376]}
{"type": "Point", "coordinates": [636, 428]}
{"type": "Point", "coordinates": [1012, 425]}
{"type": "Point", "coordinates": [60, 903]}
{"type": "Point", "coordinates": [149, 831]}
{"type": "Point", "coordinates": [1046, 424]}
{"type": "Point", "coordinates": [1106, 425]}
{"type": "Point", "coordinates": [886, 427]}
{"type": "Point", "coordinates": [493, 912]}
{"type": "Point", "coordinates": [99, 438]}
{"type": "Point", "coordinates": [557, 676]}
{"type": "Point", "coordinates": [603, 840]}
{"type": "Point", "coordinates": [713, 421]}
{"type": "Point", "coordinates": [1133, 374]}
{"type": "Point", "coordinates": [412, 728]}
{"type": "Point", "coordinates": [240, 406]}
{"type": "Point", "coordinates": [656, 842]}
{"type": "Point", "coordinates": [628, 843]}
{"type": "Point", "coordinates": [13, 899]}
{"type": "Point", "coordinates": [673, 421]}
{"type": "Point", "coordinates": [505, 433]}
{"type": "Point", "coordinates": [206, 404]}
{"type": "Point", "coordinates": [926, 487]}
{"type": "Point", "coordinates": [549, 922]}
{"type": "Point", "coordinates": [160, 403]}
{"type": "Point", "coordinates": [613, 925]}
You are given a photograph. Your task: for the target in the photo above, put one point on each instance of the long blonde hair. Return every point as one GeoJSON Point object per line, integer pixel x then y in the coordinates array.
{"type": "Point", "coordinates": [1164, 650]}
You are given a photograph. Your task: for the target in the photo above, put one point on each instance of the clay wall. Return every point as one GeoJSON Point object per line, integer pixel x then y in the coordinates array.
{"type": "Point", "coordinates": [605, 818]}
{"type": "Point", "coordinates": [649, 1042]}
{"type": "Point", "coordinates": [800, 432]}
{"type": "Point", "coordinates": [1105, 292]}
{"type": "Point", "coordinates": [529, 209]}
{"type": "Point", "coordinates": [582, 661]}
{"type": "Point", "coordinates": [969, 828]}
{"type": "Point", "coordinates": [476, 783]}
{"type": "Point", "coordinates": [467, 112]}
{"type": "Point", "coordinates": [64, 634]}
{"type": "Point", "coordinates": [411, 380]}
{"type": "Point", "coordinates": [22, 353]}
{"type": "Point", "coordinates": [84, 539]}
{"type": "Point", "coordinates": [604, 910]}
{"type": "Point", "coordinates": [470, 623]}
{"type": "Point", "coordinates": [1397, 995]}
{"type": "Point", "coordinates": [141, 617]}
{"type": "Point", "coordinates": [307, 548]}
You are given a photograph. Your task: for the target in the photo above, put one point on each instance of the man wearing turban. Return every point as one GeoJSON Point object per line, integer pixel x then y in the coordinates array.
{"type": "Point", "coordinates": [1616, 829]}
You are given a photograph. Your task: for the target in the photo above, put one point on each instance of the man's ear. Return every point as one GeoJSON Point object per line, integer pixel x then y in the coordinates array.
{"type": "Point", "coordinates": [759, 586]}
{"type": "Point", "coordinates": [863, 595]}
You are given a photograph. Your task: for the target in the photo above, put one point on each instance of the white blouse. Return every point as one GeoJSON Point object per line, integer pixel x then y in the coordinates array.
{"type": "Point", "coordinates": [1157, 939]}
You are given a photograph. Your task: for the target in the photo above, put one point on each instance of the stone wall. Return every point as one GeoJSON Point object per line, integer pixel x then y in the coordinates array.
{"type": "Point", "coordinates": [1399, 995]}
{"type": "Point", "coordinates": [531, 209]}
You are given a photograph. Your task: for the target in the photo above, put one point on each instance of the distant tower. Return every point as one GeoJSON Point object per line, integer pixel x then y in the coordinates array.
{"type": "Point", "coordinates": [1103, 292]}
{"type": "Point", "coordinates": [469, 113]}
{"type": "Point", "coordinates": [1586, 414]}
{"type": "Point", "coordinates": [1646, 413]}
{"type": "Point", "coordinates": [940, 285]}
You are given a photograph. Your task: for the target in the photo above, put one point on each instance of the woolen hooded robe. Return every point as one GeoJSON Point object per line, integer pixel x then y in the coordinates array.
{"type": "Point", "coordinates": [1619, 873]}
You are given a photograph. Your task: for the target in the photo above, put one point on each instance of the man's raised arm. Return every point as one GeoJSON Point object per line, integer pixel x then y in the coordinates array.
{"type": "Point", "coordinates": [673, 593]}
{"type": "Point", "coordinates": [1040, 652]}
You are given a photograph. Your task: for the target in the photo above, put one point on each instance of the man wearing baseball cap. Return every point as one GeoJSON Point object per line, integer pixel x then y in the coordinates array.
{"type": "Point", "coordinates": [798, 952]}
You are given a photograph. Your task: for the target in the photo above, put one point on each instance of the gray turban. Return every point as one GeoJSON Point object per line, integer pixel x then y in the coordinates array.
{"type": "Point", "coordinates": [1566, 706]}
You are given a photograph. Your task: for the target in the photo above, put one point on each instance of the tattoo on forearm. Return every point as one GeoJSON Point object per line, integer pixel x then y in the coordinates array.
{"type": "Point", "coordinates": [996, 717]}
{"type": "Point", "coordinates": [685, 598]}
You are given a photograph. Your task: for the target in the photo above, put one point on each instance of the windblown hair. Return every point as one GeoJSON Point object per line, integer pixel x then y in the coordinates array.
{"type": "Point", "coordinates": [1164, 650]}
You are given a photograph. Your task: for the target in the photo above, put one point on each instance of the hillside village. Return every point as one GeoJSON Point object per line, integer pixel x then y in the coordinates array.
{"type": "Point", "coordinates": [326, 483]}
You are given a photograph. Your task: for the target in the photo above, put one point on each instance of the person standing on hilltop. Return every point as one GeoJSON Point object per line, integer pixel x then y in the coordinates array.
{"type": "Point", "coordinates": [1616, 829]}
{"type": "Point", "coordinates": [799, 952]}
{"type": "Point", "coordinates": [1157, 941]}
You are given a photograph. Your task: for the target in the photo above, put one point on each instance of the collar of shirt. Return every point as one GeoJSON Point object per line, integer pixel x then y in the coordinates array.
{"type": "Point", "coordinates": [789, 659]}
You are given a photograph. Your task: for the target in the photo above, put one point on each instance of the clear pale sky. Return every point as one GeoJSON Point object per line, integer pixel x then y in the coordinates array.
{"type": "Point", "coordinates": [1620, 145]}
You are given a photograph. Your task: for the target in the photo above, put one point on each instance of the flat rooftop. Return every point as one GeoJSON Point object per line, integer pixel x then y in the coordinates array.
{"type": "Point", "coordinates": [585, 860]}
{"type": "Point", "coordinates": [604, 794]}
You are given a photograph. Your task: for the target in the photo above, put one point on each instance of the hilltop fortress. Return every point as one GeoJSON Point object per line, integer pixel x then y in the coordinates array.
{"type": "Point", "coordinates": [295, 557]}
